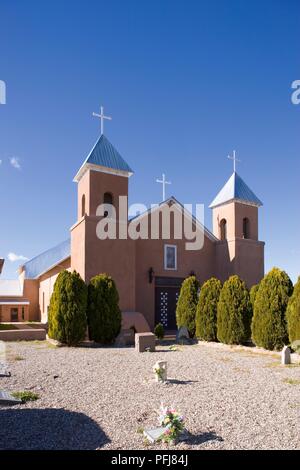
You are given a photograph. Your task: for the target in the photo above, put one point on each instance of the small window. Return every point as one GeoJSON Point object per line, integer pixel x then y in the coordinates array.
{"type": "Point", "coordinates": [83, 205]}
{"type": "Point", "coordinates": [246, 228]}
{"type": "Point", "coordinates": [13, 314]}
{"type": "Point", "coordinates": [23, 313]}
{"type": "Point", "coordinates": [170, 257]}
{"type": "Point", "coordinates": [108, 199]}
{"type": "Point", "coordinates": [43, 302]}
{"type": "Point", "coordinates": [223, 229]}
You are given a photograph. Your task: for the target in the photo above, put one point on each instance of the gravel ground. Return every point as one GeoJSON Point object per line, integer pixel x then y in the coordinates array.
{"type": "Point", "coordinates": [101, 398]}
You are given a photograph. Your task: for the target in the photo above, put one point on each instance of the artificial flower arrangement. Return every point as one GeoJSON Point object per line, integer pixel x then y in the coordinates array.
{"type": "Point", "coordinates": [158, 371]}
{"type": "Point", "coordinates": [172, 421]}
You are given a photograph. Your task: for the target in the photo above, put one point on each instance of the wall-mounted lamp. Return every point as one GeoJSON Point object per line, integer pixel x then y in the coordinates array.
{"type": "Point", "coordinates": [151, 275]}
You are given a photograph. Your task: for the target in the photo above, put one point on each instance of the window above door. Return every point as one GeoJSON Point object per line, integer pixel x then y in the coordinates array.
{"type": "Point", "coordinates": [170, 257]}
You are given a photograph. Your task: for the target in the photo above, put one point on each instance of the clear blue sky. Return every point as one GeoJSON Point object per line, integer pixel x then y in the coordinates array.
{"type": "Point", "coordinates": [185, 81]}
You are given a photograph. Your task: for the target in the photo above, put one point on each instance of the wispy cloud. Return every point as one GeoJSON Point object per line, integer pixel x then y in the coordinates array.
{"type": "Point", "coordinates": [13, 257]}
{"type": "Point", "coordinates": [14, 161]}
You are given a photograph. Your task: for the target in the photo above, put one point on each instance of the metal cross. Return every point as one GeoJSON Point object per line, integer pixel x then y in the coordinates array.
{"type": "Point", "coordinates": [235, 160]}
{"type": "Point", "coordinates": [102, 116]}
{"type": "Point", "coordinates": [164, 183]}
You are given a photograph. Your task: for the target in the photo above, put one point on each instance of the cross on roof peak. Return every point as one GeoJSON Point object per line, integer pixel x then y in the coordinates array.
{"type": "Point", "coordinates": [102, 117]}
{"type": "Point", "coordinates": [235, 160]}
{"type": "Point", "coordinates": [164, 183]}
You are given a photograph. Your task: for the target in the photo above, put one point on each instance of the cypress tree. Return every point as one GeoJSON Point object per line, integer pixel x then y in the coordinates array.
{"type": "Point", "coordinates": [67, 310]}
{"type": "Point", "coordinates": [253, 294]}
{"type": "Point", "coordinates": [187, 305]}
{"type": "Point", "coordinates": [234, 312]}
{"type": "Point", "coordinates": [104, 315]}
{"type": "Point", "coordinates": [293, 314]}
{"type": "Point", "coordinates": [269, 325]}
{"type": "Point", "coordinates": [206, 315]}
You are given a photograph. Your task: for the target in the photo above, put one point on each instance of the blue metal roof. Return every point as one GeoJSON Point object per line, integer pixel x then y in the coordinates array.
{"type": "Point", "coordinates": [236, 189]}
{"type": "Point", "coordinates": [104, 154]}
{"type": "Point", "coordinates": [47, 260]}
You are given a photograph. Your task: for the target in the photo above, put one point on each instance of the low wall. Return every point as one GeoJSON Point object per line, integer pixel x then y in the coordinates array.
{"type": "Point", "coordinates": [29, 334]}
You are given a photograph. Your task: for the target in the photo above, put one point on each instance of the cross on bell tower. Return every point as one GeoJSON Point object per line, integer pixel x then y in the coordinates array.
{"type": "Point", "coordinates": [235, 160]}
{"type": "Point", "coordinates": [102, 117]}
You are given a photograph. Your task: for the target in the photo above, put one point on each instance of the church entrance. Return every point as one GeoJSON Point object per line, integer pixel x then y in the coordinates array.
{"type": "Point", "coordinates": [167, 290]}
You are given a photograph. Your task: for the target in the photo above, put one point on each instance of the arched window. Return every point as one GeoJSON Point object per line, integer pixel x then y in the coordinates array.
{"type": "Point", "coordinates": [107, 199]}
{"type": "Point", "coordinates": [83, 205]}
{"type": "Point", "coordinates": [246, 228]}
{"type": "Point", "coordinates": [223, 229]}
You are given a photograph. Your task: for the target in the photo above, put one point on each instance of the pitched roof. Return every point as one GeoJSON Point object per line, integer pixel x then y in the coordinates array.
{"type": "Point", "coordinates": [10, 288]}
{"type": "Point", "coordinates": [236, 190]}
{"type": "Point", "coordinates": [104, 155]}
{"type": "Point", "coordinates": [47, 260]}
{"type": "Point", "coordinates": [173, 199]}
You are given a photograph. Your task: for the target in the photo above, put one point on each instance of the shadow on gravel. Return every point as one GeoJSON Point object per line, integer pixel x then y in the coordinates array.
{"type": "Point", "coordinates": [181, 382]}
{"type": "Point", "coordinates": [196, 439]}
{"type": "Point", "coordinates": [43, 429]}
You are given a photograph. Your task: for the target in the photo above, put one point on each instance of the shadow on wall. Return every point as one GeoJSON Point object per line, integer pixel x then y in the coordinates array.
{"type": "Point", "coordinates": [49, 429]}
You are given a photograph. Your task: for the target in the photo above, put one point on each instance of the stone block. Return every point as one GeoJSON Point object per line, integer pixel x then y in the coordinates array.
{"type": "Point", "coordinates": [144, 342]}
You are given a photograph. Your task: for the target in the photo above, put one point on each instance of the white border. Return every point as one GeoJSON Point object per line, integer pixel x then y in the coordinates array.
{"type": "Point", "coordinates": [165, 257]}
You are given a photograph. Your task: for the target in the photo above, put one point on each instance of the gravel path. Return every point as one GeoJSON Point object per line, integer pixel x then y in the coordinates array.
{"type": "Point", "coordinates": [99, 398]}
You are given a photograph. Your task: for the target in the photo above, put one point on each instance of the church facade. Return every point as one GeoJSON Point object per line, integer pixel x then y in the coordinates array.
{"type": "Point", "coordinates": [148, 271]}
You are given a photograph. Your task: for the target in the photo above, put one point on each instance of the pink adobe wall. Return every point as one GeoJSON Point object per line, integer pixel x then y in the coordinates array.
{"type": "Point", "coordinates": [5, 312]}
{"type": "Point", "coordinates": [234, 213]}
{"type": "Point", "coordinates": [31, 292]}
{"type": "Point", "coordinates": [114, 257]}
{"type": "Point", "coordinates": [78, 247]}
{"type": "Point", "coordinates": [46, 284]}
{"type": "Point", "coordinates": [249, 261]}
{"type": "Point", "coordinates": [150, 253]}
{"type": "Point", "coordinates": [29, 334]}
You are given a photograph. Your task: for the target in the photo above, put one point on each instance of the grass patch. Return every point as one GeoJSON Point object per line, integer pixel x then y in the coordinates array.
{"type": "Point", "coordinates": [291, 381]}
{"type": "Point", "coordinates": [18, 358]}
{"type": "Point", "coordinates": [6, 326]}
{"type": "Point", "coordinates": [140, 430]}
{"type": "Point", "coordinates": [174, 348]}
{"type": "Point", "coordinates": [278, 364]}
{"type": "Point", "coordinates": [36, 326]}
{"type": "Point", "coordinates": [25, 396]}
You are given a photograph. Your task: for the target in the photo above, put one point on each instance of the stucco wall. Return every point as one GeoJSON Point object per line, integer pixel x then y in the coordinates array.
{"type": "Point", "coordinates": [5, 312]}
{"type": "Point", "coordinates": [150, 253]}
{"type": "Point", "coordinates": [46, 284]}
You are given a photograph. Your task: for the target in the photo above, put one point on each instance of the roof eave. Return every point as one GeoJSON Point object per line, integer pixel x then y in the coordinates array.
{"type": "Point", "coordinates": [242, 201]}
{"type": "Point", "coordinates": [48, 269]}
{"type": "Point", "coordinates": [101, 169]}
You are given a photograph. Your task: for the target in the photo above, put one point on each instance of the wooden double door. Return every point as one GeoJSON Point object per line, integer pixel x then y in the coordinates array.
{"type": "Point", "coordinates": [167, 290]}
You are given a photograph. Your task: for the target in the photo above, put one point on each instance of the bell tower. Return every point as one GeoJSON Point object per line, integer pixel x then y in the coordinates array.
{"type": "Point", "coordinates": [103, 179]}
{"type": "Point", "coordinates": [235, 224]}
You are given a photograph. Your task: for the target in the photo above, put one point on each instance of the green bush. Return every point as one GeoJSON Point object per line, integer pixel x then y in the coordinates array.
{"type": "Point", "coordinates": [206, 315]}
{"type": "Point", "coordinates": [253, 294]}
{"type": "Point", "coordinates": [104, 315]}
{"type": "Point", "coordinates": [67, 311]}
{"type": "Point", "coordinates": [159, 331]}
{"type": "Point", "coordinates": [234, 312]}
{"type": "Point", "coordinates": [293, 314]}
{"type": "Point", "coordinates": [187, 305]}
{"type": "Point", "coordinates": [269, 326]}
{"type": "Point", "coordinates": [25, 396]}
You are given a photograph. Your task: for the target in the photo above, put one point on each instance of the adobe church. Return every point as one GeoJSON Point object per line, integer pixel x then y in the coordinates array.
{"type": "Point", "coordinates": [148, 272]}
